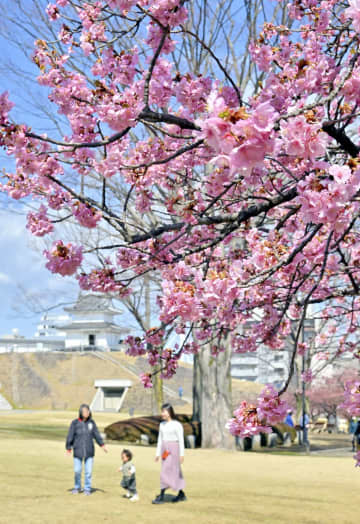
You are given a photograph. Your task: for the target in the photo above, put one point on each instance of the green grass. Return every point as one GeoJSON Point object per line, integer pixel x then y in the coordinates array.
{"type": "Point", "coordinates": [222, 487]}
{"type": "Point", "coordinates": [30, 431]}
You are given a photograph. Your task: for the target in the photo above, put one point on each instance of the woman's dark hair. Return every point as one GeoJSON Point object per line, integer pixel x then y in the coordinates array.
{"type": "Point", "coordinates": [80, 411]}
{"type": "Point", "coordinates": [127, 454]}
{"type": "Point", "coordinates": [170, 410]}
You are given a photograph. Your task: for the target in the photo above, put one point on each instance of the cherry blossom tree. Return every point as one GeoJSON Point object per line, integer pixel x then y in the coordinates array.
{"type": "Point", "coordinates": [212, 401]}
{"type": "Point", "coordinates": [245, 201]}
{"type": "Point", "coordinates": [326, 395]}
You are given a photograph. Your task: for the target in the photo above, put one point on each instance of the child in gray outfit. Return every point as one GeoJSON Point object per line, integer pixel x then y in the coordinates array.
{"type": "Point", "coordinates": [128, 481]}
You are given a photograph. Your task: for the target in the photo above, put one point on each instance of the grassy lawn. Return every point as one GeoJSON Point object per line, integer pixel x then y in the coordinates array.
{"type": "Point", "coordinates": [222, 487]}
{"type": "Point", "coordinates": [51, 425]}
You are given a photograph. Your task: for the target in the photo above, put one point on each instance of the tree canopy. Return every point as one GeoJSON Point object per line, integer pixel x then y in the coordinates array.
{"type": "Point", "coordinates": [242, 196]}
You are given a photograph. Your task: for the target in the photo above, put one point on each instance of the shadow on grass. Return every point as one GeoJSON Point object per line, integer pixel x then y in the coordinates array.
{"type": "Point", "coordinates": [168, 497]}
{"type": "Point", "coordinates": [93, 491]}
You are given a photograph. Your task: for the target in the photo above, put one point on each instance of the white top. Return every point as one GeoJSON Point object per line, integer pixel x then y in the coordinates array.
{"type": "Point", "coordinates": [171, 431]}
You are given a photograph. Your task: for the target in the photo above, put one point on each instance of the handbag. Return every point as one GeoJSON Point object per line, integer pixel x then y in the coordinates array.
{"type": "Point", "coordinates": [165, 454]}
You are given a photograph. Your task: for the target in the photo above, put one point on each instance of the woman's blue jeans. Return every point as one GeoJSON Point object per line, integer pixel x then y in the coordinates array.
{"type": "Point", "coordinates": [88, 473]}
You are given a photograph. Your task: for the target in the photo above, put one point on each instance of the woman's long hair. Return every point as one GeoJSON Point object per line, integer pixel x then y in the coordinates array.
{"type": "Point", "coordinates": [80, 411]}
{"type": "Point", "coordinates": [170, 410]}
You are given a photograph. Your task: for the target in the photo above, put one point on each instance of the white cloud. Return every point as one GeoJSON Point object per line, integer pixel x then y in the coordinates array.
{"type": "Point", "coordinates": [4, 279]}
{"type": "Point", "coordinates": [12, 226]}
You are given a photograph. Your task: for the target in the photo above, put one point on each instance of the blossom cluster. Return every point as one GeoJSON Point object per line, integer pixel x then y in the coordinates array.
{"type": "Point", "coordinates": [307, 376]}
{"type": "Point", "coordinates": [250, 419]}
{"type": "Point", "coordinates": [39, 223]}
{"type": "Point", "coordinates": [135, 346]}
{"type": "Point", "coordinates": [5, 107]}
{"type": "Point", "coordinates": [103, 281]}
{"type": "Point", "coordinates": [270, 406]}
{"type": "Point", "coordinates": [63, 258]}
{"type": "Point", "coordinates": [146, 380]}
{"type": "Point", "coordinates": [86, 215]}
{"type": "Point", "coordinates": [246, 422]}
{"type": "Point", "coordinates": [240, 139]}
{"type": "Point", "coordinates": [352, 398]}
{"type": "Point", "coordinates": [169, 363]}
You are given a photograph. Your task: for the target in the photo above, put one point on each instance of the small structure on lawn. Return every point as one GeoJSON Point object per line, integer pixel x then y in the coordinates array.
{"type": "Point", "coordinates": [4, 404]}
{"type": "Point", "coordinates": [110, 394]}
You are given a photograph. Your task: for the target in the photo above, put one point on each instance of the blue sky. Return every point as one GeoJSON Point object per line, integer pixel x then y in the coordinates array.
{"type": "Point", "coordinates": [22, 266]}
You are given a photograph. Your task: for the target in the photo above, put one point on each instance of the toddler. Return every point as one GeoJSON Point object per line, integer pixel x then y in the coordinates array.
{"type": "Point", "coordinates": [128, 481]}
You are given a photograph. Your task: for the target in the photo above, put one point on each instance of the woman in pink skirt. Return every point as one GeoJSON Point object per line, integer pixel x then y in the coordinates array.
{"type": "Point", "coordinates": [170, 448]}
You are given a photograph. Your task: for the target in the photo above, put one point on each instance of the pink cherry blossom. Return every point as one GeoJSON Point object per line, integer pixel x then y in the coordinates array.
{"type": "Point", "coordinates": [302, 139]}
{"type": "Point", "coordinates": [169, 363]}
{"type": "Point", "coordinates": [63, 258]}
{"type": "Point", "coordinates": [52, 11]}
{"type": "Point", "coordinates": [135, 346]}
{"type": "Point", "coordinates": [123, 5]}
{"type": "Point", "coordinates": [271, 408]}
{"type": "Point", "coordinates": [146, 380]}
{"type": "Point", "coordinates": [86, 216]}
{"type": "Point", "coordinates": [103, 281]}
{"type": "Point", "coordinates": [246, 422]}
{"type": "Point", "coordinates": [5, 107]}
{"type": "Point", "coordinates": [154, 336]}
{"type": "Point", "coordinates": [352, 398]}
{"type": "Point", "coordinates": [39, 223]}
{"type": "Point", "coordinates": [192, 92]}
{"type": "Point", "coordinates": [353, 12]}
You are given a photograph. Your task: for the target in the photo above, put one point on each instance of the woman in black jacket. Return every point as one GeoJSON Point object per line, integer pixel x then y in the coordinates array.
{"type": "Point", "coordinates": [83, 430]}
{"type": "Point", "coordinates": [356, 437]}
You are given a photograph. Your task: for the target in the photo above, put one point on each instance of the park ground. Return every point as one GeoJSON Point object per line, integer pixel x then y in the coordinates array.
{"type": "Point", "coordinates": [222, 487]}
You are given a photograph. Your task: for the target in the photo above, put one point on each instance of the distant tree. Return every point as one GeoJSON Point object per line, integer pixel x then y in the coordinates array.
{"type": "Point", "coordinates": [326, 395]}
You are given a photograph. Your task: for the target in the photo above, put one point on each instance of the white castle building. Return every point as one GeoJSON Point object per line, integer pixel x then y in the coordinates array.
{"type": "Point", "coordinates": [89, 325]}
{"type": "Point", "coordinates": [92, 325]}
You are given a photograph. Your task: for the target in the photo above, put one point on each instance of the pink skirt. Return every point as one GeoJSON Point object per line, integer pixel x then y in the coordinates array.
{"type": "Point", "coordinates": [171, 475]}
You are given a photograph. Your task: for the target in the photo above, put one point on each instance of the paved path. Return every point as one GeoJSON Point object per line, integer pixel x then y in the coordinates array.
{"type": "Point", "coordinates": [334, 452]}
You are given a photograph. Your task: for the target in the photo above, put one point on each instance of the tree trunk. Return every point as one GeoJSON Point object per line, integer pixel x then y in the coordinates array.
{"type": "Point", "coordinates": [212, 402]}
{"type": "Point", "coordinates": [158, 394]}
{"type": "Point", "coordinates": [196, 390]}
{"type": "Point", "coordinates": [157, 389]}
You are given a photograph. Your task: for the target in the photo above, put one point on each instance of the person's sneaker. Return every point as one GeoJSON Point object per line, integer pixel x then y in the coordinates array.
{"type": "Point", "coordinates": [127, 495]}
{"type": "Point", "coordinates": [134, 498]}
{"type": "Point", "coordinates": [158, 500]}
{"type": "Point", "coordinates": [180, 497]}
{"type": "Point", "coordinates": [75, 491]}
{"type": "Point", "coordinates": [87, 493]}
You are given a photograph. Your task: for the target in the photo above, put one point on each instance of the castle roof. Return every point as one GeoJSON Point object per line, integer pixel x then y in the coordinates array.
{"type": "Point", "coordinates": [92, 302]}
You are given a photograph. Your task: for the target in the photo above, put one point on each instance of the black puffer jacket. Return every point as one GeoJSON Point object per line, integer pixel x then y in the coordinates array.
{"type": "Point", "coordinates": [81, 436]}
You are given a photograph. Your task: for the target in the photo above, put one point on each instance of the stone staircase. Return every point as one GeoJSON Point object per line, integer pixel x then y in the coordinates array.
{"type": "Point", "coordinates": [4, 404]}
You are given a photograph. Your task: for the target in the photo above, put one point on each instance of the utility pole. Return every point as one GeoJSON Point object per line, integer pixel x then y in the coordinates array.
{"type": "Point", "coordinates": [305, 439]}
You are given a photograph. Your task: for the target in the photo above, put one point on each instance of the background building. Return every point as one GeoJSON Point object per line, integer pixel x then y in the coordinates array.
{"type": "Point", "coordinates": [264, 365]}
{"type": "Point", "coordinates": [93, 325]}
{"type": "Point", "coordinates": [89, 325]}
